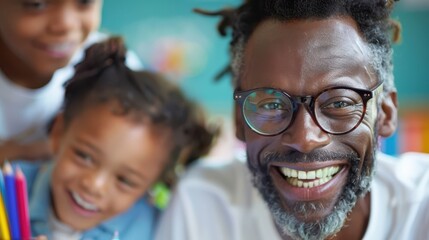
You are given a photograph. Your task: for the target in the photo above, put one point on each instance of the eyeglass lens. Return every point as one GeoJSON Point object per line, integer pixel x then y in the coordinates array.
{"type": "Point", "coordinates": [270, 111]}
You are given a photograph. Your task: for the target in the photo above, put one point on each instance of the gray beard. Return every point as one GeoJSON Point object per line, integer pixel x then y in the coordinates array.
{"type": "Point", "coordinates": [358, 184]}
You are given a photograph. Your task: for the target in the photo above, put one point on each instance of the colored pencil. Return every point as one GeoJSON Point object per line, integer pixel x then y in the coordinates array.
{"type": "Point", "coordinates": [1, 184]}
{"type": "Point", "coordinates": [21, 193]}
{"type": "Point", "coordinates": [4, 226]}
{"type": "Point", "coordinates": [11, 201]}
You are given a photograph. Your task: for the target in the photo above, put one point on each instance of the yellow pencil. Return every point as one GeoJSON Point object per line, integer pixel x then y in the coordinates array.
{"type": "Point", "coordinates": [4, 226]}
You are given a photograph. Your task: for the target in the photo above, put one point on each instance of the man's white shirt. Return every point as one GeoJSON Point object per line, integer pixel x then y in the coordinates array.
{"type": "Point", "coordinates": [218, 201]}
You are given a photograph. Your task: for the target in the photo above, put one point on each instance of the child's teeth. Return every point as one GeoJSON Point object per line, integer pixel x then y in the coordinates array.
{"type": "Point", "coordinates": [84, 204]}
{"type": "Point", "coordinates": [60, 47]}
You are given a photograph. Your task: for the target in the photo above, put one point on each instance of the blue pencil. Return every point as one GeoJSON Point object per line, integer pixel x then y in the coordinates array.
{"type": "Point", "coordinates": [1, 184]}
{"type": "Point", "coordinates": [11, 201]}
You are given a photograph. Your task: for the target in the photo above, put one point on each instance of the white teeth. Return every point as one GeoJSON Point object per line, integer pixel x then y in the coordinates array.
{"type": "Point", "coordinates": [294, 173]}
{"type": "Point", "coordinates": [311, 175]}
{"type": "Point", "coordinates": [320, 176]}
{"type": "Point", "coordinates": [319, 173]}
{"type": "Point", "coordinates": [298, 183]}
{"type": "Point", "coordinates": [302, 175]}
{"type": "Point", "coordinates": [84, 204]}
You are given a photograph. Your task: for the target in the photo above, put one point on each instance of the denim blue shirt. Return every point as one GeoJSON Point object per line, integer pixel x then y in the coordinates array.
{"type": "Point", "coordinates": [138, 222]}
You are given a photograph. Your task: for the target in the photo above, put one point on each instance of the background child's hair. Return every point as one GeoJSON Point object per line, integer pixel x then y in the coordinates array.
{"type": "Point", "coordinates": [103, 77]}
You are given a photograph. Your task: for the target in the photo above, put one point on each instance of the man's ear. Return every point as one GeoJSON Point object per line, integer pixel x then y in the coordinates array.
{"type": "Point", "coordinates": [388, 115]}
{"type": "Point", "coordinates": [56, 133]}
{"type": "Point", "coordinates": [239, 123]}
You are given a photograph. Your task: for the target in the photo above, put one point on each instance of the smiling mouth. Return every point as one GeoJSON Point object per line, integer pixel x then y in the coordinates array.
{"type": "Point", "coordinates": [309, 179]}
{"type": "Point", "coordinates": [84, 204]}
{"type": "Point", "coordinates": [58, 50]}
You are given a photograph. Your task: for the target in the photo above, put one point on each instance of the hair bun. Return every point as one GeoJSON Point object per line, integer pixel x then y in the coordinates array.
{"type": "Point", "coordinates": [100, 55]}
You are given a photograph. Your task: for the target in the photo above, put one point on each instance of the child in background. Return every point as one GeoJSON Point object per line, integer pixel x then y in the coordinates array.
{"type": "Point", "coordinates": [40, 41]}
{"type": "Point", "coordinates": [120, 131]}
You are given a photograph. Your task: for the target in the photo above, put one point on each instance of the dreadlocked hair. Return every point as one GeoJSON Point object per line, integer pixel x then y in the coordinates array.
{"type": "Point", "coordinates": [103, 77]}
{"type": "Point", "coordinates": [372, 17]}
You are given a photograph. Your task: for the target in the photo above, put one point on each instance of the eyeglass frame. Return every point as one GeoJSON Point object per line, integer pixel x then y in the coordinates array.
{"type": "Point", "coordinates": [308, 101]}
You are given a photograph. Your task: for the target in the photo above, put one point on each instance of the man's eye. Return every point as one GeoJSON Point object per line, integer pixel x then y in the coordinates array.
{"type": "Point", "coordinates": [339, 104]}
{"type": "Point", "coordinates": [272, 106]}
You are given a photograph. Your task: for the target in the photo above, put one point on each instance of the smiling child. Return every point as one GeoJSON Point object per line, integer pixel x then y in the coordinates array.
{"type": "Point", "coordinates": [119, 133]}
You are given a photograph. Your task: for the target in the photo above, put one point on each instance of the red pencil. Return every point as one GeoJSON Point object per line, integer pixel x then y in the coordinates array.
{"type": "Point", "coordinates": [22, 198]}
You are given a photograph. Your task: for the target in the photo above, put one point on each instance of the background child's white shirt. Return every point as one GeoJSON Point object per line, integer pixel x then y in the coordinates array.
{"type": "Point", "coordinates": [25, 113]}
{"type": "Point", "coordinates": [219, 202]}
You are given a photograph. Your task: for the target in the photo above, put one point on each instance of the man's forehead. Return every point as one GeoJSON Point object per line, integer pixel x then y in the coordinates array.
{"type": "Point", "coordinates": [338, 24]}
{"type": "Point", "coordinates": [309, 33]}
{"type": "Point", "coordinates": [303, 49]}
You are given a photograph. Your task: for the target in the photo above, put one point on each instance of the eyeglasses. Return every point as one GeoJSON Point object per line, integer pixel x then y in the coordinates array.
{"type": "Point", "coordinates": [337, 110]}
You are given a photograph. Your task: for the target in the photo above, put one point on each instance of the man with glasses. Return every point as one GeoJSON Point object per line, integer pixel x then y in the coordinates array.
{"type": "Point", "coordinates": [314, 91]}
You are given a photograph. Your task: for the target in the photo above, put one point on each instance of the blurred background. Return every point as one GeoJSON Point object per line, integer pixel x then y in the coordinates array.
{"type": "Point", "coordinates": [169, 37]}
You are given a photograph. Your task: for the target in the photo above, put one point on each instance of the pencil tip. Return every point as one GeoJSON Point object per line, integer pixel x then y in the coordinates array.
{"type": "Point", "coordinates": [7, 168]}
{"type": "Point", "coordinates": [18, 171]}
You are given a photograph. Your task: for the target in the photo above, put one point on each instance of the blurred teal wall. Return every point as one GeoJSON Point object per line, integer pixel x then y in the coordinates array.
{"type": "Point", "coordinates": [411, 57]}
{"type": "Point", "coordinates": [169, 37]}
{"type": "Point", "coordinates": [151, 27]}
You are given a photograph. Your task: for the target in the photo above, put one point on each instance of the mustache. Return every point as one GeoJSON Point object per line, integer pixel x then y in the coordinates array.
{"type": "Point", "coordinates": [314, 156]}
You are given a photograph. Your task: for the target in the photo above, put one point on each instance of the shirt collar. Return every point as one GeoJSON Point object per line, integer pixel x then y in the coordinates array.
{"type": "Point", "coordinates": [40, 200]}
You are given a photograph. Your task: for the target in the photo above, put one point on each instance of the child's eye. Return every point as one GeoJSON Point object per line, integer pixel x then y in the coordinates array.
{"type": "Point", "coordinates": [34, 4]}
{"type": "Point", "coordinates": [83, 157]}
{"type": "Point", "coordinates": [127, 182]}
{"type": "Point", "coordinates": [87, 2]}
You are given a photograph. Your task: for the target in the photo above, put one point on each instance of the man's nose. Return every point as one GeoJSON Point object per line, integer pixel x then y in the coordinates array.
{"type": "Point", "coordinates": [304, 135]}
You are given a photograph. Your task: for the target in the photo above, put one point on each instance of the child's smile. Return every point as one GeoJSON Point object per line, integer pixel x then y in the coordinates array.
{"type": "Point", "coordinates": [105, 163]}
{"type": "Point", "coordinates": [81, 204]}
